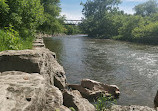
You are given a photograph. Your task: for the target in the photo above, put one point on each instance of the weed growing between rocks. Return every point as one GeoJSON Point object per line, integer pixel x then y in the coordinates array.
{"type": "Point", "coordinates": [104, 102]}
{"type": "Point", "coordinates": [72, 109]}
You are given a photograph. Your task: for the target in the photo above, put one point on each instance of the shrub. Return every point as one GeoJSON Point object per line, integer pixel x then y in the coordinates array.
{"type": "Point", "coordinates": [146, 33]}
{"type": "Point", "coordinates": [104, 102]}
{"type": "Point", "coordinates": [10, 40]}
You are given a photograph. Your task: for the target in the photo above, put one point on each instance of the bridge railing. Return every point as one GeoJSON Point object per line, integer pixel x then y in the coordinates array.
{"type": "Point", "coordinates": [72, 22]}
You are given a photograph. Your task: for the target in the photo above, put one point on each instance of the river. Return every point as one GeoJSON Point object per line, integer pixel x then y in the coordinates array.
{"type": "Point", "coordinates": [132, 67]}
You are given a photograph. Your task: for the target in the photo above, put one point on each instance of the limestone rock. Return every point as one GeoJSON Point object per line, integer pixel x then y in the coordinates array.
{"type": "Point", "coordinates": [130, 108]}
{"type": "Point", "coordinates": [21, 91]}
{"type": "Point", "coordinates": [64, 108]}
{"type": "Point", "coordinates": [38, 42]}
{"type": "Point", "coordinates": [54, 98]}
{"type": "Point", "coordinates": [27, 81]}
{"type": "Point", "coordinates": [60, 80]}
{"type": "Point", "coordinates": [75, 100]}
{"type": "Point", "coordinates": [39, 60]}
{"type": "Point", "coordinates": [94, 85]}
{"type": "Point", "coordinates": [92, 89]}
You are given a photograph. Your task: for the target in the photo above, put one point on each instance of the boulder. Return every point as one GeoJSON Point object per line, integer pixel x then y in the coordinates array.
{"type": "Point", "coordinates": [54, 98]}
{"type": "Point", "coordinates": [64, 108]}
{"type": "Point", "coordinates": [21, 91]}
{"type": "Point", "coordinates": [86, 93]}
{"type": "Point", "coordinates": [91, 89]}
{"type": "Point", "coordinates": [39, 60]}
{"type": "Point", "coordinates": [60, 80]}
{"type": "Point", "coordinates": [75, 100]}
{"type": "Point", "coordinates": [94, 85]}
{"type": "Point", "coordinates": [29, 81]}
{"type": "Point", "coordinates": [28, 92]}
{"type": "Point", "coordinates": [130, 108]}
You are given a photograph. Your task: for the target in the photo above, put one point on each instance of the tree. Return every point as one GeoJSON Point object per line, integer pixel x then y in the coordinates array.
{"type": "Point", "coordinates": [52, 22]}
{"type": "Point", "coordinates": [98, 7]}
{"type": "Point", "coordinates": [98, 14]}
{"type": "Point", "coordinates": [24, 15]}
{"type": "Point", "coordinates": [146, 9]}
{"type": "Point", "coordinates": [129, 24]}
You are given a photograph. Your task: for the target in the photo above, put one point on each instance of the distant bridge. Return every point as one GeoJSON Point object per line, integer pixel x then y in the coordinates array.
{"type": "Point", "coordinates": [72, 22]}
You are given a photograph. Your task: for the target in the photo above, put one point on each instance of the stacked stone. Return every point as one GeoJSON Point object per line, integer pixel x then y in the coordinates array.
{"type": "Point", "coordinates": [38, 42]}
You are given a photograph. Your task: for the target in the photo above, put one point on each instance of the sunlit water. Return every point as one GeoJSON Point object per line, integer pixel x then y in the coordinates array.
{"type": "Point", "coordinates": [132, 67]}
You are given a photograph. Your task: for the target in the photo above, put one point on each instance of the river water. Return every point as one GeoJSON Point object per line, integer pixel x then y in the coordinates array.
{"type": "Point", "coordinates": [132, 67]}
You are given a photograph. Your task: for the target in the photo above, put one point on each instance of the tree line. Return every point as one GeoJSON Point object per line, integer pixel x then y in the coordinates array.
{"type": "Point", "coordinates": [103, 19]}
{"type": "Point", "coordinates": [20, 20]}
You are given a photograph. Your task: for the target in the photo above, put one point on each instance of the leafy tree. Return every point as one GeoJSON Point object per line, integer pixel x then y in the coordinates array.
{"type": "Point", "coordinates": [104, 20]}
{"type": "Point", "coordinates": [129, 23]}
{"type": "Point", "coordinates": [72, 29]}
{"type": "Point", "coordinates": [147, 8]}
{"type": "Point", "coordinates": [22, 14]}
{"type": "Point", "coordinates": [52, 22]}
{"type": "Point", "coordinates": [146, 33]}
{"type": "Point", "coordinates": [98, 7]}
{"type": "Point", "coordinates": [23, 17]}
{"type": "Point", "coordinates": [98, 14]}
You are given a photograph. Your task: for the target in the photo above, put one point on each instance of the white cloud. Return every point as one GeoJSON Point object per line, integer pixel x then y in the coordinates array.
{"type": "Point", "coordinates": [72, 16]}
{"type": "Point", "coordinates": [128, 10]}
{"type": "Point", "coordinates": [134, 0]}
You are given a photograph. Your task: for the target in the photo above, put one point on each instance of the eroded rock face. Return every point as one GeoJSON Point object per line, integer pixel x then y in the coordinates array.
{"type": "Point", "coordinates": [21, 91]}
{"type": "Point", "coordinates": [54, 98]}
{"type": "Point", "coordinates": [75, 100]}
{"type": "Point", "coordinates": [130, 108]}
{"type": "Point", "coordinates": [27, 81]}
{"type": "Point", "coordinates": [64, 108]}
{"type": "Point", "coordinates": [91, 89]}
{"type": "Point", "coordinates": [39, 60]}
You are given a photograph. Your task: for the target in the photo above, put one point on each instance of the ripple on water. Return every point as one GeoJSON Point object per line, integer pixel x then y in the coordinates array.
{"type": "Point", "coordinates": [132, 67]}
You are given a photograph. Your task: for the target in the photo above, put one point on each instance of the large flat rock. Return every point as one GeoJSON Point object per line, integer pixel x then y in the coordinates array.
{"type": "Point", "coordinates": [21, 91]}
{"type": "Point", "coordinates": [39, 60]}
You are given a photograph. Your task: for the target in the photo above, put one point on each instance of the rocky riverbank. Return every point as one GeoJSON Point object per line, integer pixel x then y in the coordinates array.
{"type": "Point", "coordinates": [32, 80]}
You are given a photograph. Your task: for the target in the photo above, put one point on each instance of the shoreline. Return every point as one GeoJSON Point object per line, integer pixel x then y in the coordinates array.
{"type": "Point", "coordinates": [37, 72]}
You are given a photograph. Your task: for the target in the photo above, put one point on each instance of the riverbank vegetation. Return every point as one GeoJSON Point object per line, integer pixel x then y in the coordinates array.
{"type": "Point", "coordinates": [72, 29]}
{"type": "Point", "coordinates": [104, 102]}
{"type": "Point", "coordinates": [103, 19]}
{"type": "Point", "coordinates": [21, 20]}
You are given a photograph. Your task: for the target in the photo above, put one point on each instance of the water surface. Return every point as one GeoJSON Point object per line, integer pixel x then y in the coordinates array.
{"type": "Point", "coordinates": [132, 67]}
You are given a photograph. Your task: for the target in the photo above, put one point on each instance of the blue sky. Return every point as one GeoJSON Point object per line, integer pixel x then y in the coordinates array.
{"type": "Point", "coordinates": [73, 10]}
